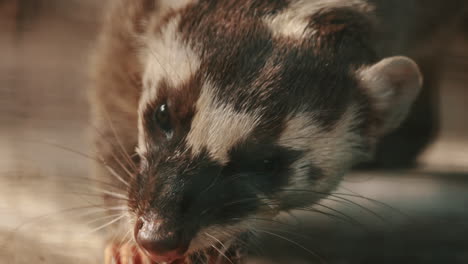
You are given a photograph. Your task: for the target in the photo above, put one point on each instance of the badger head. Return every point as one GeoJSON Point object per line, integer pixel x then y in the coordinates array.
{"type": "Point", "coordinates": [251, 108]}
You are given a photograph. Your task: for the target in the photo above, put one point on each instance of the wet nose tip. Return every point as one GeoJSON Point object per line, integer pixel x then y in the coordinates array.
{"type": "Point", "coordinates": [161, 244]}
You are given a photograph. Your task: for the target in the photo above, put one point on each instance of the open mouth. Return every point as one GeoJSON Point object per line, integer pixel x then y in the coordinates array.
{"type": "Point", "coordinates": [129, 253]}
{"type": "Point", "coordinates": [204, 247]}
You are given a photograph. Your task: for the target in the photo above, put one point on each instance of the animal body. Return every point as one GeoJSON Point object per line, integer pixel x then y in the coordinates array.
{"type": "Point", "coordinates": [213, 113]}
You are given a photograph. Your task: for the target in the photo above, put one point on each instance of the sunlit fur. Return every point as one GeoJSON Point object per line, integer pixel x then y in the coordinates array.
{"type": "Point", "coordinates": [217, 127]}
{"type": "Point", "coordinates": [293, 22]}
{"type": "Point", "coordinates": [234, 84]}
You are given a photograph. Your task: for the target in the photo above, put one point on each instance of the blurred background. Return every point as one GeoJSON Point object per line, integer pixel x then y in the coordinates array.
{"type": "Point", "coordinates": [48, 212]}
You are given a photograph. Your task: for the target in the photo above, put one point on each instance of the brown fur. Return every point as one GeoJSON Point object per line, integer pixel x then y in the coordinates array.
{"type": "Point", "coordinates": [244, 60]}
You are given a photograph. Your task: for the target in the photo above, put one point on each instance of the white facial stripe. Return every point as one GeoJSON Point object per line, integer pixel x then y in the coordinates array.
{"type": "Point", "coordinates": [330, 150]}
{"type": "Point", "coordinates": [165, 57]}
{"type": "Point", "coordinates": [218, 127]}
{"type": "Point", "coordinates": [293, 22]}
{"type": "Point", "coordinates": [174, 4]}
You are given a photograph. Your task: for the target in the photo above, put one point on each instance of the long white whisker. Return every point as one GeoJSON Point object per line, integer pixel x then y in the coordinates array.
{"type": "Point", "coordinates": [119, 142]}
{"type": "Point", "coordinates": [102, 218]}
{"type": "Point", "coordinates": [115, 158]}
{"type": "Point", "coordinates": [102, 210]}
{"type": "Point", "coordinates": [113, 194]}
{"type": "Point", "coordinates": [217, 240]}
{"type": "Point", "coordinates": [225, 248]}
{"type": "Point", "coordinates": [126, 238]}
{"type": "Point", "coordinates": [117, 208]}
{"type": "Point", "coordinates": [115, 174]}
{"type": "Point", "coordinates": [294, 243]}
{"type": "Point", "coordinates": [222, 254]}
{"type": "Point", "coordinates": [104, 225]}
{"type": "Point", "coordinates": [92, 211]}
{"type": "Point", "coordinates": [129, 173]}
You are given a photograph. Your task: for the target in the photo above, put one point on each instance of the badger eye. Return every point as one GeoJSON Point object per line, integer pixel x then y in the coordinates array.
{"type": "Point", "coordinates": [162, 118]}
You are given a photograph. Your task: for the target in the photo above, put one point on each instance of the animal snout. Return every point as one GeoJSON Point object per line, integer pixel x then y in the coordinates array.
{"type": "Point", "coordinates": [161, 242]}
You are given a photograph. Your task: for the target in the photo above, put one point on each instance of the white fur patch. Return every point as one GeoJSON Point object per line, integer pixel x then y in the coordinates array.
{"type": "Point", "coordinates": [332, 151]}
{"type": "Point", "coordinates": [293, 22]}
{"type": "Point", "coordinates": [165, 57]}
{"type": "Point", "coordinates": [218, 127]}
{"type": "Point", "coordinates": [174, 4]}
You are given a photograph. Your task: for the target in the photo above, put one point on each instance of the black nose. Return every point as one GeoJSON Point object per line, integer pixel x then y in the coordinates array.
{"type": "Point", "coordinates": [163, 244]}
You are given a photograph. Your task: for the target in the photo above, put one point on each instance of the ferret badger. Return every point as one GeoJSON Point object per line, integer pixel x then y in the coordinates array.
{"type": "Point", "coordinates": [211, 113]}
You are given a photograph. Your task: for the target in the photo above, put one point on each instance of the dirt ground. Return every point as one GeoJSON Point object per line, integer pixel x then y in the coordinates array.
{"type": "Point", "coordinates": [46, 213]}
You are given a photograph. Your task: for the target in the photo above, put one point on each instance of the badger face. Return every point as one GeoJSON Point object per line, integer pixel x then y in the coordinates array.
{"type": "Point", "coordinates": [252, 108]}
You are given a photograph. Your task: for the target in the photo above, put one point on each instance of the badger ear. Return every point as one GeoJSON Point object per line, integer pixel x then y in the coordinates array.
{"type": "Point", "coordinates": [392, 86]}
